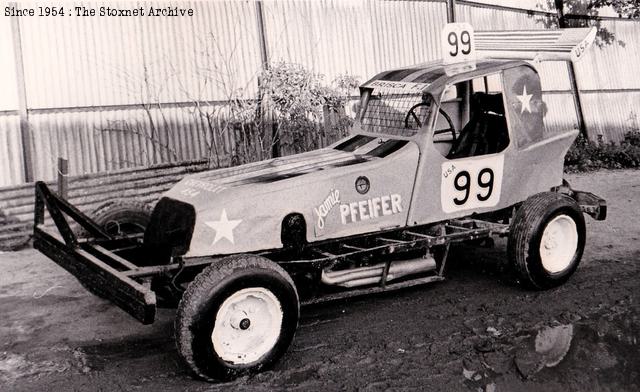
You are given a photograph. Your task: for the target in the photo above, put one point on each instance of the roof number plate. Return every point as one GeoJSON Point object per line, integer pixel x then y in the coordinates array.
{"type": "Point", "coordinates": [458, 43]}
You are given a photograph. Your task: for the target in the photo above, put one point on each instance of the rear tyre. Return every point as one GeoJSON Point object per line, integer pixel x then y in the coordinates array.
{"type": "Point", "coordinates": [546, 240]}
{"type": "Point", "coordinates": [237, 317]}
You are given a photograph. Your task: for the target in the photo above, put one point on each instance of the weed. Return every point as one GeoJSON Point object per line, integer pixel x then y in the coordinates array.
{"type": "Point", "coordinates": [586, 155]}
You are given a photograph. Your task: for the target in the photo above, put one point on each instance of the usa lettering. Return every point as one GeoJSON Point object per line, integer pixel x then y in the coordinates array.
{"type": "Point", "coordinates": [327, 205]}
{"type": "Point", "coordinates": [371, 208]}
{"type": "Point", "coordinates": [447, 172]}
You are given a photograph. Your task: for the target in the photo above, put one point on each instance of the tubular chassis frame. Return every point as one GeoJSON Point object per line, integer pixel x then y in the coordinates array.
{"type": "Point", "coordinates": [96, 262]}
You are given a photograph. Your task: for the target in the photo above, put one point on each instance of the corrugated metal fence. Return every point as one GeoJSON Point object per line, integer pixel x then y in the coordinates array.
{"type": "Point", "coordinates": [113, 93]}
{"type": "Point", "coordinates": [609, 83]}
{"type": "Point", "coordinates": [88, 192]}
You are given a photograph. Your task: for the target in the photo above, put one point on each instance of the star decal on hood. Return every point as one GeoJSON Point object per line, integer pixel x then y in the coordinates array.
{"type": "Point", "coordinates": [223, 227]}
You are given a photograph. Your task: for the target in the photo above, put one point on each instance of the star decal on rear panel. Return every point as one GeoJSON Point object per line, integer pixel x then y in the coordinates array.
{"type": "Point", "coordinates": [223, 227]}
{"type": "Point", "coordinates": [525, 100]}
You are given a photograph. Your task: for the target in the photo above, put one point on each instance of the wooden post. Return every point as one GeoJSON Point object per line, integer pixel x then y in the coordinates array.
{"type": "Point", "coordinates": [451, 11]}
{"type": "Point", "coordinates": [262, 36]}
{"type": "Point", "coordinates": [264, 57]}
{"type": "Point", "coordinates": [326, 119]}
{"type": "Point", "coordinates": [63, 177]}
{"type": "Point", "coordinates": [25, 130]}
{"type": "Point", "coordinates": [275, 138]}
{"type": "Point", "coordinates": [575, 92]}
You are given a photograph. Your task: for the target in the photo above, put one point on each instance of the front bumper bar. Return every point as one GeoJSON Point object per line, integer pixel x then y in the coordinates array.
{"type": "Point", "coordinates": [99, 270]}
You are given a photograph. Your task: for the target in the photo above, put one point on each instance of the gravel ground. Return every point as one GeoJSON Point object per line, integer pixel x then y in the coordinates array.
{"type": "Point", "coordinates": [475, 331]}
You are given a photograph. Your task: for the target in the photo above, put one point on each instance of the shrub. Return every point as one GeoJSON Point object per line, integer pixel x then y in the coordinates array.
{"type": "Point", "coordinates": [300, 100]}
{"type": "Point", "coordinates": [586, 155]}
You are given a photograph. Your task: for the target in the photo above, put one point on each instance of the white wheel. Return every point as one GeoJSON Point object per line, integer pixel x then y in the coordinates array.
{"type": "Point", "coordinates": [247, 325]}
{"type": "Point", "coordinates": [559, 244]}
{"type": "Point", "coordinates": [546, 240]}
{"type": "Point", "coordinates": [237, 317]}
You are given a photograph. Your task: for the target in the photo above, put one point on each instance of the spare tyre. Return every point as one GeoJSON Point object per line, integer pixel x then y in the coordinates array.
{"type": "Point", "coordinates": [122, 217]}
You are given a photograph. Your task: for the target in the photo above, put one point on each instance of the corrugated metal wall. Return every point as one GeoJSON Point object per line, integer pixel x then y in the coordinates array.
{"type": "Point", "coordinates": [613, 66]}
{"type": "Point", "coordinates": [98, 61]}
{"type": "Point", "coordinates": [356, 37]}
{"type": "Point", "coordinates": [101, 140]}
{"type": "Point", "coordinates": [8, 97]}
{"type": "Point", "coordinates": [11, 167]}
{"type": "Point", "coordinates": [485, 17]}
{"type": "Point", "coordinates": [86, 78]}
{"type": "Point", "coordinates": [609, 82]}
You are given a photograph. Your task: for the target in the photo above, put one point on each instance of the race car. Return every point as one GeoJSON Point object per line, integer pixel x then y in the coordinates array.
{"type": "Point", "coordinates": [442, 152]}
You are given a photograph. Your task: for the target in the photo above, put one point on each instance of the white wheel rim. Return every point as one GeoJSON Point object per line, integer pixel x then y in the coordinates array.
{"type": "Point", "coordinates": [247, 325]}
{"type": "Point", "coordinates": [559, 243]}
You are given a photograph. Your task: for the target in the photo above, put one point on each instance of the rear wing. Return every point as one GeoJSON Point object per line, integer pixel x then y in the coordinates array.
{"type": "Point", "coordinates": [538, 45]}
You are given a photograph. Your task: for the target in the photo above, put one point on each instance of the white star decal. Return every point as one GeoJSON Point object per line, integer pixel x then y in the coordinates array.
{"type": "Point", "coordinates": [525, 100]}
{"type": "Point", "coordinates": [223, 227]}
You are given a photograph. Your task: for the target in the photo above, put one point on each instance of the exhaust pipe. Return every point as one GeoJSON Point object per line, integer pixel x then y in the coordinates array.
{"type": "Point", "coordinates": [373, 274]}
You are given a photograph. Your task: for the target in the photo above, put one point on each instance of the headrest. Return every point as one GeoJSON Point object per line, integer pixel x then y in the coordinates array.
{"type": "Point", "coordinates": [488, 102]}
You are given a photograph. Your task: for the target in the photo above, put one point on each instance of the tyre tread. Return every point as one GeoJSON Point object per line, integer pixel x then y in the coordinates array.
{"type": "Point", "coordinates": [189, 305]}
{"type": "Point", "coordinates": [102, 214]}
{"type": "Point", "coordinates": [525, 223]}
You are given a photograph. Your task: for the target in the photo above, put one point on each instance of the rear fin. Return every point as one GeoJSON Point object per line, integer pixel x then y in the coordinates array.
{"type": "Point", "coordinates": [538, 45]}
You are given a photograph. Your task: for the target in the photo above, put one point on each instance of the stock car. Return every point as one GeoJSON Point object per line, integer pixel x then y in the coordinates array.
{"type": "Point", "coordinates": [448, 151]}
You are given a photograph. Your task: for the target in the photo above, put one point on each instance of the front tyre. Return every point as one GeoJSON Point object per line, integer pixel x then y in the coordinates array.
{"type": "Point", "coordinates": [237, 317]}
{"type": "Point", "coordinates": [546, 240]}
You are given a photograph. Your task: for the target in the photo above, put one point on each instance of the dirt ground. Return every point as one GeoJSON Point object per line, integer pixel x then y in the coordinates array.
{"type": "Point", "coordinates": [473, 332]}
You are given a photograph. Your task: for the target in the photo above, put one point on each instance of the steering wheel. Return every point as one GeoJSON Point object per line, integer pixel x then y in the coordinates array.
{"type": "Point", "coordinates": [412, 113]}
{"type": "Point", "coordinates": [451, 128]}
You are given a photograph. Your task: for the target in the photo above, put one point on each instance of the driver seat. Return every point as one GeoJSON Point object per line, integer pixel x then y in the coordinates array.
{"type": "Point", "coordinates": [487, 111]}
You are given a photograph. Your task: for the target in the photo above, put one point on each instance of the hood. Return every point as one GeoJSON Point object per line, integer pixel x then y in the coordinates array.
{"type": "Point", "coordinates": [351, 151]}
{"type": "Point", "coordinates": [274, 169]}
{"type": "Point", "coordinates": [240, 209]}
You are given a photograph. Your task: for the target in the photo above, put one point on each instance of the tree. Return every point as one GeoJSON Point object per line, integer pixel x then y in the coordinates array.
{"type": "Point", "coordinates": [569, 12]}
{"type": "Point", "coordinates": [625, 8]}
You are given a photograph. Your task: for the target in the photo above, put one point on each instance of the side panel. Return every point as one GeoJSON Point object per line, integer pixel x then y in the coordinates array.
{"type": "Point", "coordinates": [524, 105]}
{"type": "Point", "coordinates": [374, 196]}
{"type": "Point", "coordinates": [538, 160]}
{"type": "Point", "coordinates": [452, 188]}
{"type": "Point", "coordinates": [537, 168]}
{"type": "Point", "coordinates": [471, 183]}
{"type": "Point", "coordinates": [335, 202]}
